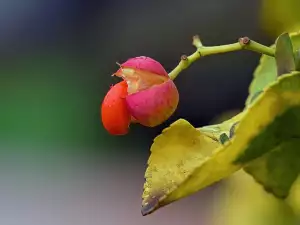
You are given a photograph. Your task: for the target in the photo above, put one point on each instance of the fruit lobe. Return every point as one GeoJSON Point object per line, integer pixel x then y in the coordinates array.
{"type": "Point", "coordinates": [146, 64]}
{"type": "Point", "coordinates": [153, 106]}
{"type": "Point", "coordinates": [115, 115]}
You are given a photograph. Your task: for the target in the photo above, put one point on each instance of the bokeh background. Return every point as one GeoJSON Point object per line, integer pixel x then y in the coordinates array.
{"type": "Point", "coordinates": [58, 166]}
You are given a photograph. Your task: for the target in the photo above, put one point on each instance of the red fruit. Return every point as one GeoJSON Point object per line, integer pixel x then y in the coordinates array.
{"type": "Point", "coordinates": [115, 115]}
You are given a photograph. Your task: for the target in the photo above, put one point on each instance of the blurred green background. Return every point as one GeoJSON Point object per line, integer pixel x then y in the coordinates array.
{"type": "Point", "coordinates": [58, 165]}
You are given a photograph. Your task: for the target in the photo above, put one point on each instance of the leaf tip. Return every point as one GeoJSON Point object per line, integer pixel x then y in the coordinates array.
{"type": "Point", "coordinates": [150, 205]}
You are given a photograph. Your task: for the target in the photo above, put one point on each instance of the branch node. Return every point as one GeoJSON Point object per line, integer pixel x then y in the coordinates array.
{"type": "Point", "coordinates": [184, 57]}
{"type": "Point", "coordinates": [244, 41]}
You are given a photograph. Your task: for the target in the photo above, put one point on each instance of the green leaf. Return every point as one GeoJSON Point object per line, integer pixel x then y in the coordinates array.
{"type": "Point", "coordinates": [279, 168]}
{"type": "Point", "coordinates": [264, 74]}
{"type": "Point", "coordinates": [185, 160]}
{"type": "Point", "coordinates": [284, 55]}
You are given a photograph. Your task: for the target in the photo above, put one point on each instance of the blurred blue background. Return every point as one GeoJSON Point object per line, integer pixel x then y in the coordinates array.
{"type": "Point", "coordinates": [58, 165]}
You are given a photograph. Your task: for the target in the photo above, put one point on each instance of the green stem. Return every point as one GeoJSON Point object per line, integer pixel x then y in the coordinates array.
{"type": "Point", "coordinates": [243, 43]}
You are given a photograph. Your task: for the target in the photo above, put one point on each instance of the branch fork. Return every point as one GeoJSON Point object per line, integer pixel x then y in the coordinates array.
{"type": "Point", "coordinates": [243, 43]}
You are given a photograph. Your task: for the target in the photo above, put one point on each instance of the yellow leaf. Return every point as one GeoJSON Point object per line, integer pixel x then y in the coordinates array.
{"type": "Point", "coordinates": [175, 154]}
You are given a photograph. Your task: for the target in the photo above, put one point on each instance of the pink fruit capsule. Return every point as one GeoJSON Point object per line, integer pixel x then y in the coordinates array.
{"type": "Point", "coordinates": [151, 97]}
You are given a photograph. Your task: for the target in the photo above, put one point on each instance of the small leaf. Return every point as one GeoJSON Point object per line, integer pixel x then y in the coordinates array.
{"type": "Point", "coordinates": [227, 127]}
{"type": "Point", "coordinates": [273, 120]}
{"type": "Point", "coordinates": [284, 54]}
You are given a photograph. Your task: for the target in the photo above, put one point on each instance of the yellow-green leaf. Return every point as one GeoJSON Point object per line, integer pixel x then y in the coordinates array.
{"type": "Point", "coordinates": [261, 129]}
{"type": "Point", "coordinates": [174, 156]}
